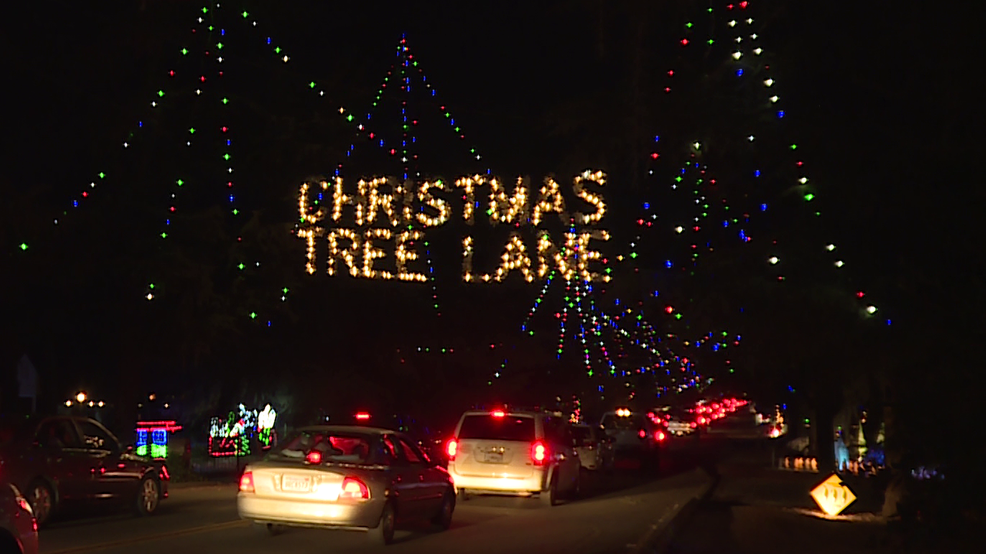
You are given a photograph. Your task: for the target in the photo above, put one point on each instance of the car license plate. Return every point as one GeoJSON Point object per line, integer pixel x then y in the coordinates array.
{"type": "Point", "coordinates": [291, 483]}
{"type": "Point", "coordinates": [494, 457]}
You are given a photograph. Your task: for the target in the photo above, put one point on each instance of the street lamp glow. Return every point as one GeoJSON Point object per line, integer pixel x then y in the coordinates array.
{"type": "Point", "coordinates": [81, 397]}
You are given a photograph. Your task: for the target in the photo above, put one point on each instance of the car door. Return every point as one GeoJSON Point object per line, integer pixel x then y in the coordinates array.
{"type": "Point", "coordinates": [406, 478]}
{"type": "Point", "coordinates": [110, 475]}
{"type": "Point", "coordinates": [431, 486]}
{"type": "Point", "coordinates": [65, 461]}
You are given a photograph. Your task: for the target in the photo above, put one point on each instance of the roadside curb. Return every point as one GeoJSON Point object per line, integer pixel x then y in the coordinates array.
{"type": "Point", "coordinates": [662, 535]}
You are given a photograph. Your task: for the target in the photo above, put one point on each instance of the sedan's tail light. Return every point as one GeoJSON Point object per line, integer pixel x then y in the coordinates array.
{"type": "Point", "coordinates": [539, 453]}
{"type": "Point", "coordinates": [353, 488]}
{"type": "Point", "coordinates": [659, 436]}
{"type": "Point", "coordinates": [246, 482]}
{"type": "Point", "coordinates": [24, 505]}
{"type": "Point", "coordinates": [451, 448]}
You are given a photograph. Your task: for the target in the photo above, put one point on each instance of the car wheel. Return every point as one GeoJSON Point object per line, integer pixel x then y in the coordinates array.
{"type": "Point", "coordinates": [550, 496]}
{"type": "Point", "coordinates": [148, 496]}
{"type": "Point", "coordinates": [443, 519]}
{"type": "Point", "coordinates": [383, 533]}
{"type": "Point", "coordinates": [42, 501]}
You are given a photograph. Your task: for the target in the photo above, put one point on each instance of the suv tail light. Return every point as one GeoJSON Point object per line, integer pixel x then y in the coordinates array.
{"type": "Point", "coordinates": [539, 453]}
{"type": "Point", "coordinates": [246, 482]}
{"type": "Point", "coordinates": [353, 488]}
{"type": "Point", "coordinates": [451, 448]}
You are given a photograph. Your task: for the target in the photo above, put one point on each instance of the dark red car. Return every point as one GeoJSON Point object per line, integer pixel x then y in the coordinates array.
{"type": "Point", "coordinates": [59, 460]}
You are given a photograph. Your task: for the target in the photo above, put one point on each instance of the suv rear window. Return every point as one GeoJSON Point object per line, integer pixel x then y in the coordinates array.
{"type": "Point", "coordinates": [506, 428]}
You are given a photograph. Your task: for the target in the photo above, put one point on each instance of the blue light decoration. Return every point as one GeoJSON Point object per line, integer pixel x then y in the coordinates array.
{"type": "Point", "coordinates": [157, 433]}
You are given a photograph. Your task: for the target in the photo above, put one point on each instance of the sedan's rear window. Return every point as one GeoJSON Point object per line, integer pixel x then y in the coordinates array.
{"type": "Point", "coordinates": [581, 433]}
{"type": "Point", "coordinates": [505, 428]}
{"type": "Point", "coordinates": [339, 448]}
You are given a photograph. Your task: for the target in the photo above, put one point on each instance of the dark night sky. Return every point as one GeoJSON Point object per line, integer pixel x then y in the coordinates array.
{"type": "Point", "coordinates": [884, 97]}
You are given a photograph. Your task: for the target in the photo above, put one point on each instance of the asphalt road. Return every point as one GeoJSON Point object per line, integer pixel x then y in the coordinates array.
{"type": "Point", "coordinates": [617, 513]}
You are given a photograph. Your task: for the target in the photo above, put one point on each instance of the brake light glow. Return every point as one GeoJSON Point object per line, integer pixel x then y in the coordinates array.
{"type": "Point", "coordinates": [353, 488]}
{"type": "Point", "coordinates": [539, 452]}
{"type": "Point", "coordinates": [497, 413]}
{"type": "Point", "coordinates": [659, 436]}
{"type": "Point", "coordinates": [24, 505]}
{"type": "Point", "coordinates": [642, 434]}
{"type": "Point", "coordinates": [701, 420]}
{"type": "Point", "coordinates": [246, 482]}
{"type": "Point", "coordinates": [362, 416]}
{"type": "Point", "coordinates": [451, 448]}
{"type": "Point", "coordinates": [314, 457]}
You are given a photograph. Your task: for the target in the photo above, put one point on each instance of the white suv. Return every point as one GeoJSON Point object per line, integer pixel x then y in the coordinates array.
{"type": "Point", "coordinates": [520, 452]}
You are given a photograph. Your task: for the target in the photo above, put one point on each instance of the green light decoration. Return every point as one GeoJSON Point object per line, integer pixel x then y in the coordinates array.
{"type": "Point", "coordinates": [23, 246]}
{"type": "Point", "coordinates": [219, 45]}
{"type": "Point", "coordinates": [225, 101]}
{"type": "Point", "coordinates": [184, 51]}
{"type": "Point", "coordinates": [164, 235]}
{"type": "Point", "coordinates": [101, 175]}
{"type": "Point", "coordinates": [253, 315]}
{"type": "Point", "coordinates": [284, 290]}
{"type": "Point", "coordinates": [245, 14]}
{"type": "Point", "coordinates": [311, 84]}
{"type": "Point", "coordinates": [160, 94]}
{"type": "Point", "coordinates": [191, 130]}
{"type": "Point", "coordinates": [809, 197]}
{"type": "Point", "coordinates": [226, 157]}
{"type": "Point", "coordinates": [277, 49]}
{"type": "Point", "coordinates": [180, 182]}
{"type": "Point", "coordinates": [205, 9]}
{"type": "Point", "coordinates": [236, 212]}
{"type": "Point", "coordinates": [241, 267]}
{"type": "Point", "coordinates": [151, 286]}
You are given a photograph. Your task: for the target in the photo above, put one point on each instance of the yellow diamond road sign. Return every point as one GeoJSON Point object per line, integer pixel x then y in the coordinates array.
{"type": "Point", "coordinates": [832, 496]}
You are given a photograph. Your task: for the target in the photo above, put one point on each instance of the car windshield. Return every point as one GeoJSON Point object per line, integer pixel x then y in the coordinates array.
{"type": "Point", "coordinates": [581, 433]}
{"type": "Point", "coordinates": [334, 447]}
{"type": "Point", "coordinates": [612, 422]}
{"type": "Point", "coordinates": [503, 428]}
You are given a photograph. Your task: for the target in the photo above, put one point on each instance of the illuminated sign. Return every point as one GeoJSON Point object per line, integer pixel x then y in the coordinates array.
{"type": "Point", "coordinates": [832, 496]}
{"type": "Point", "coordinates": [373, 232]}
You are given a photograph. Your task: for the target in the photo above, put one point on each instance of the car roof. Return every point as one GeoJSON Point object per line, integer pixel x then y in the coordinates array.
{"type": "Point", "coordinates": [507, 412]}
{"type": "Point", "coordinates": [351, 429]}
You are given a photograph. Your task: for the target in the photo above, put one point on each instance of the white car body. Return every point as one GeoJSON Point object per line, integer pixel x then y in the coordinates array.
{"type": "Point", "coordinates": [525, 453]}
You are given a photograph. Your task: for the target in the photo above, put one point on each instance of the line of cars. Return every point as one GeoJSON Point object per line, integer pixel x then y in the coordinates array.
{"type": "Point", "coordinates": [355, 477]}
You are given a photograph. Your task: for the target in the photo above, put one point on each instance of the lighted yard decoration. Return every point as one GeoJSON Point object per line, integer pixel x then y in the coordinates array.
{"type": "Point", "coordinates": [152, 438]}
{"type": "Point", "coordinates": [265, 427]}
{"type": "Point", "coordinates": [231, 436]}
